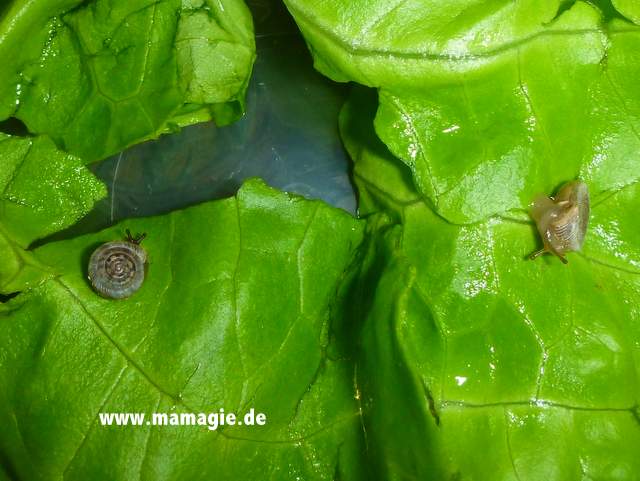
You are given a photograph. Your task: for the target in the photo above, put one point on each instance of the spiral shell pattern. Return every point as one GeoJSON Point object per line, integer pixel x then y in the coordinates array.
{"type": "Point", "coordinates": [116, 269]}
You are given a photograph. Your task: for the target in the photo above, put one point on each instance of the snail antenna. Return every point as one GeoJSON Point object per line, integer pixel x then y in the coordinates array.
{"type": "Point", "coordinates": [137, 239]}
{"type": "Point", "coordinates": [537, 254]}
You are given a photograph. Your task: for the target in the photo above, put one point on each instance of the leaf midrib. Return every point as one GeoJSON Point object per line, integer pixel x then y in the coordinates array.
{"type": "Point", "coordinates": [448, 57]}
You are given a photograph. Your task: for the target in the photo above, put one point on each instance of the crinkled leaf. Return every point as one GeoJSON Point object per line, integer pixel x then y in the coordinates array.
{"type": "Point", "coordinates": [236, 312]}
{"type": "Point", "coordinates": [502, 367]}
{"type": "Point", "coordinates": [42, 191]}
{"type": "Point", "coordinates": [372, 159]}
{"type": "Point", "coordinates": [99, 76]}
{"type": "Point", "coordinates": [490, 105]}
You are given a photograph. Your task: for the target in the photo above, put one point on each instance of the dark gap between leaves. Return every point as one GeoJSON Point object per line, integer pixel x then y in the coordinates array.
{"type": "Point", "coordinates": [7, 297]}
{"type": "Point", "coordinates": [7, 468]}
{"type": "Point", "coordinates": [14, 126]}
{"type": "Point", "coordinates": [563, 7]}
{"type": "Point", "coordinates": [609, 11]}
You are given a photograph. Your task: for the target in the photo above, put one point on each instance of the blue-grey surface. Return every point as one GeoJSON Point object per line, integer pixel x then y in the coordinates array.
{"type": "Point", "coordinates": [289, 137]}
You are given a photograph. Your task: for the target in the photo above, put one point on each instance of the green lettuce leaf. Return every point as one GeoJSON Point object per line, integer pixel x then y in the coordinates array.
{"type": "Point", "coordinates": [502, 368]}
{"type": "Point", "coordinates": [628, 8]}
{"type": "Point", "coordinates": [490, 105]}
{"type": "Point", "coordinates": [42, 191]}
{"type": "Point", "coordinates": [235, 312]}
{"type": "Point", "coordinates": [99, 76]}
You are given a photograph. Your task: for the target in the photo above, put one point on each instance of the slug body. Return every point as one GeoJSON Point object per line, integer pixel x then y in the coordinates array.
{"type": "Point", "coordinates": [562, 220]}
{"type": "Point", "coordinates": [116, 269]}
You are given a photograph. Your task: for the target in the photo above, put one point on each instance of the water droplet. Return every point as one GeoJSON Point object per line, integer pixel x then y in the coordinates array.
{"type": "Point", "coordinates": [452, 129]}
{"type": "Point", "coordinates": [18, 93]}
{"type": "Point", "coordinates": [460, 380]}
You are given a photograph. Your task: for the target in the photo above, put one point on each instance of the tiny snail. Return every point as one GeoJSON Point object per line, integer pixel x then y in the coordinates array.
{"type": "Point", "coordinates": [116, 269]}
{"type": "Point", "coordinates": [562, 220]}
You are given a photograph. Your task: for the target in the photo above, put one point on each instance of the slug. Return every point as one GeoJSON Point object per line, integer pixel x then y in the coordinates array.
{"type": "Point", "coordinates": [116, 269]}
{"type": "Point", "coordinates": [562, 220]}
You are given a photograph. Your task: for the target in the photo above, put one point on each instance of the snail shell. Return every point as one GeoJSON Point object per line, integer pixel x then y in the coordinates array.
{"type": "Point", "coordinates": [116, 269]}
{"type": "Point", "coordinates": [562, 220]}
